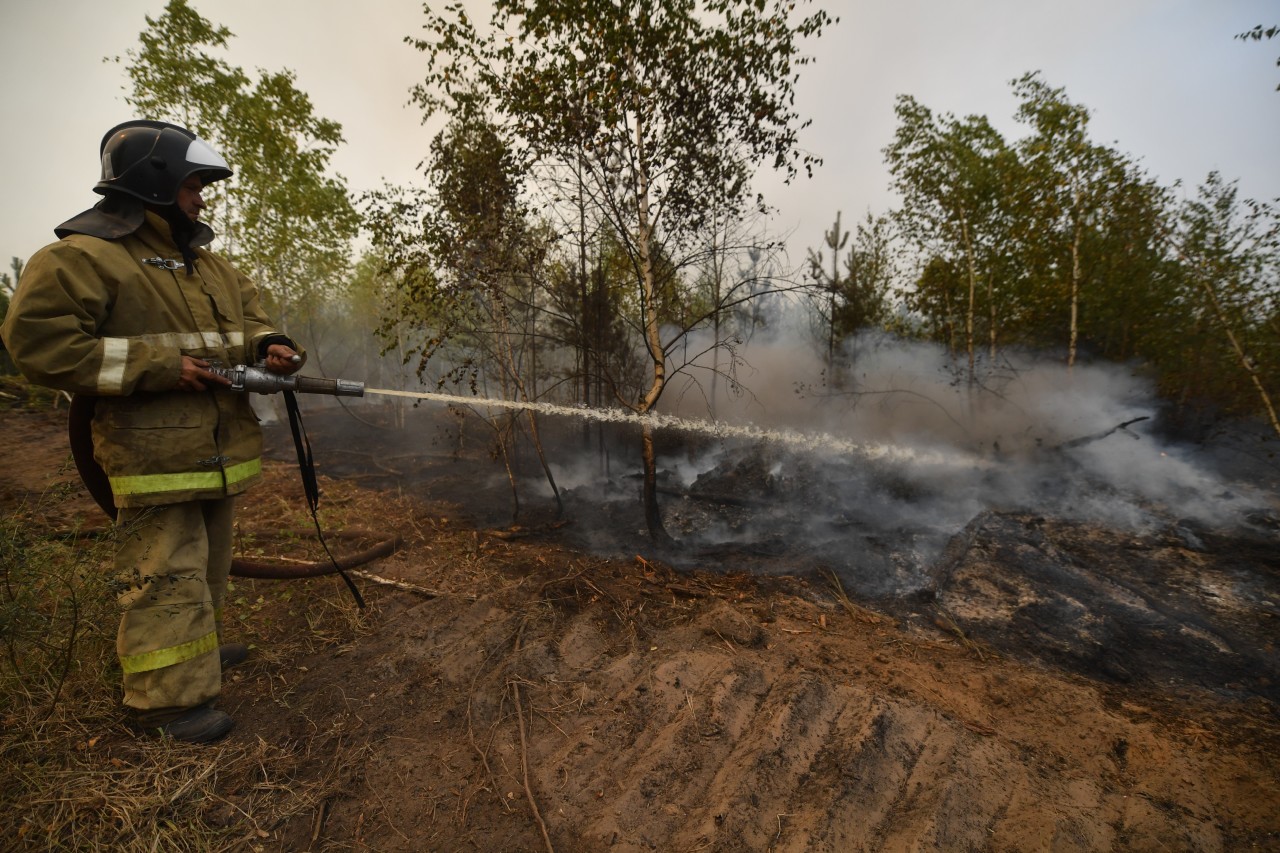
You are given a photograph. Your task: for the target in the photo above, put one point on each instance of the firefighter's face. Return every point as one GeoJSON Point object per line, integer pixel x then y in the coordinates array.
{"type": "Point", "coordinates": [189, 200]}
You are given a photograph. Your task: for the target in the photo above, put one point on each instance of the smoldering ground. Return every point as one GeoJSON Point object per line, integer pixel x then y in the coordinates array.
{"type": "Point", "coordinates": [873, 474]}
{"type": "Point", "coordinates": [1046, 512]}
{"type": "Point", "coordinates": [868, 472]}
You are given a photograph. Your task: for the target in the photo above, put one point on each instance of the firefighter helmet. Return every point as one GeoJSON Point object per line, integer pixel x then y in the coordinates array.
{"type": "Point", "coordinates": [150, 160]}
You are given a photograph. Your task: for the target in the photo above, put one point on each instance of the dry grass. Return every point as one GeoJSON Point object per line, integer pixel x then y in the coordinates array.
{"type": "Point", "coordinates": [72, 776]}
{"type": "Point", "coordinates": [855, 610]}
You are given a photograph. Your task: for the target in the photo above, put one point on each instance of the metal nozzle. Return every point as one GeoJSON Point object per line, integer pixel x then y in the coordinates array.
{"type": "Point", "coordinates": [335, 387]}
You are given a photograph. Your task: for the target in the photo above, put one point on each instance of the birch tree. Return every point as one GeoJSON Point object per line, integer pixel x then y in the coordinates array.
{"type": "Point", "coordinates": [949, 174]}
{"type": "Point", "coordinates": [666, 108]}
{"type": "Point", "coordinates": [1231, 250]}
{"type": "Point", "coordinates": [283, 217]}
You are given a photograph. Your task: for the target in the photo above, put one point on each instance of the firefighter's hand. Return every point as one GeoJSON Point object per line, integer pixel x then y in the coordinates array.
{"type": "Point", "coordinates": [195, 375]}
{"type": "Point", "coordinates": [282, 360]}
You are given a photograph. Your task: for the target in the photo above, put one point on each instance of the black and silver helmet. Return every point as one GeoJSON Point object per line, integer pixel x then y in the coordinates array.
{"type": "Point", "coordinates": [150, 160]}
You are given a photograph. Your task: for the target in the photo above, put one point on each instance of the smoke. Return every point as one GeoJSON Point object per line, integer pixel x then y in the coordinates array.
{"type": "Point", "coordinates": [870, 475]}
{"type": "Point", "coordinates": [776, 464]}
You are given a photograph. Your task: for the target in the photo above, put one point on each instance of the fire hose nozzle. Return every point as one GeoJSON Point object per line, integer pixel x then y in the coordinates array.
{"type": "Point", "coordinates": [334, 387]}
{"type": "Point", "coordinates": [256, 378]}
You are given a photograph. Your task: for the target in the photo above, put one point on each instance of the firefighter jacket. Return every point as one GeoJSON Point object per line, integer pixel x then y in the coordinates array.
{"type": "Point", "coordinates": [112, 318]}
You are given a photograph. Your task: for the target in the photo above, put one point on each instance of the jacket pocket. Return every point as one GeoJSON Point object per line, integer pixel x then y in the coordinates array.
{"type": "Point", "coordinates": [160, 435]}
{"type": "Point", "coordinates": [228, 309]}
{"type": "Point", "coordinates": [153, 416]}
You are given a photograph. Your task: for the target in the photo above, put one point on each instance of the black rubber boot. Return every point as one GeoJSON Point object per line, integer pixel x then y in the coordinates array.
{"type": "Point", "coordinates": [231, 654]}
{"type": "Point", "coordinates": [201, 724]}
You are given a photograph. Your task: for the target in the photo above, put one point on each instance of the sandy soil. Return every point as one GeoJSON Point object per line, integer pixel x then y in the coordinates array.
{"type": "Point", "coordinates": [516, 694]}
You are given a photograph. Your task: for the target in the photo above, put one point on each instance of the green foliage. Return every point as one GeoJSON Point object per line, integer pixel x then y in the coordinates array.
{"type": "Point", "coordinates": [57, 614]}
{"type": "Point", "coordinates": [1258, 33]}
{"type": "Point", "coordinates": [655, 79]}
{"type": "Point", "coordinates": [932, 302]}
{"type": "Point", "coordinates": [857, 298]}
{"type": "Point", "coordinates": [7, 285]}
{"type": "Point", "coordinates": [1058, 243]}
{"type": "Point", "coordinates": [282, 218]}
{"type": "Point", "coordinates": [643, 123]}
{"type": "Point", "coordinates": [1041, 232]}
{"type": "Point", "coordinates": [956, 178]}
{"type": "Point", "coordinates": [462, 252]}
{"type": "Point", "coordinates": [661, 111]}
{"type": "Point", "coordinates": [375, 294]}
{"type": "Point", "coordinates": [588, 314]}
{"type": "Point", "coordinates": [1229, 249]}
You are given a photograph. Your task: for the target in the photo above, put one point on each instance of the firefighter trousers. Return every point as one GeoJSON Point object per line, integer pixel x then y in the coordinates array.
{"type": "Point", "coordinates": [172, 563]}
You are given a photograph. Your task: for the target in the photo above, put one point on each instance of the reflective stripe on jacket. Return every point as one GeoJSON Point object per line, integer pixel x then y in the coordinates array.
{"type": "Point", "coordinates": [112, 318]}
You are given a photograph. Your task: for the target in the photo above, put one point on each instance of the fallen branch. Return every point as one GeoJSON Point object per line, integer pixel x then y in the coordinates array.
{"type": "Point", "coordinates": [1089, 439]}
{"type": "Point", "coordinates": [408, 587]}
{"type": "Point", "coordinates": [857, 611]}
{"type": "Point", "coordinates": [524, 754]}
{"type": "Point", "coordinates": [944, 621]}
{"type": "Point", "coordinates": [518, 532]}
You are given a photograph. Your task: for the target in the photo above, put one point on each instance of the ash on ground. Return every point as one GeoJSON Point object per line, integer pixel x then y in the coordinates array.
{"type": "Point", "coordinates": [1119, 558]}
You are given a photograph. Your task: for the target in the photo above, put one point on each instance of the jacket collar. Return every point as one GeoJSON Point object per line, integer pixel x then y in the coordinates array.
{"type": "Point", "coordinates": [119, 215]}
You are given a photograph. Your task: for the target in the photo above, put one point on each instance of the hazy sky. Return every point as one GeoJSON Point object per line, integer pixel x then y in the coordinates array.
{"type": "Point", "coordinates": [1165, 79]}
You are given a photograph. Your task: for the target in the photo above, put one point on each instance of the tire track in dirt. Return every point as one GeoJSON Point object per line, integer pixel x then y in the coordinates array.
{"type": "Point", "coordinates": [712, 729]}
{"type": "Point", "coordinates": [693, 711]}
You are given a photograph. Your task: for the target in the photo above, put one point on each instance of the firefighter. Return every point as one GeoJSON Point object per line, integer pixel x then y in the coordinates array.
{"type": "Point", "coordinates": [127, 310]}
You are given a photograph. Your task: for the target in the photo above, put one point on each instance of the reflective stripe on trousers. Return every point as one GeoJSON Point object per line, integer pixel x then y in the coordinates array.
{"type": "Point", "coordinates": [173, 563]}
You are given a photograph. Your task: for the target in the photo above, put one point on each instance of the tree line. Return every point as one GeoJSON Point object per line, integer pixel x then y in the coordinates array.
{"type": "Point", "coordinates": [586, 229]}
{"type": "Point", "coordinates": [1056, 243]}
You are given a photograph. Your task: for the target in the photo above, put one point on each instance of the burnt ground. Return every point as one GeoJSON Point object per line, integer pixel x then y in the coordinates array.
{"type": "Point", "coordinates": [1024, 681]}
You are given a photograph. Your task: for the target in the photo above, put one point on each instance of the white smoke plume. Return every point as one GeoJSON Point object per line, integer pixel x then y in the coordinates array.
{"type": "Point", "coordinates": [870, 475]}
{"type": "Point", "coordinates": [877, 471]}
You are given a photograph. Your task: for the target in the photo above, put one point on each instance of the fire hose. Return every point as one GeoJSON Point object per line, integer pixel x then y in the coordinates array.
{"type": "Point", "coordinates": [243, 567]}
{"type": "Point", "coordinates": [243, 378]}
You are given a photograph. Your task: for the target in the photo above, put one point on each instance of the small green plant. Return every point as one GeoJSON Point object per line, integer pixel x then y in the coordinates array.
{"type": "Point", "coordinates": [57, 614]}
{"type": "Point", "coordinates": [72, 777]}
{"type": "Point", "coordinates": [18, 393]}
{"type": "Point", "coordinates": [58, 668]}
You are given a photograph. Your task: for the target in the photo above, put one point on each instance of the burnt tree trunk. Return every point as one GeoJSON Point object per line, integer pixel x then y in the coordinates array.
{"type": "Point", "coordinates": [652, 515]}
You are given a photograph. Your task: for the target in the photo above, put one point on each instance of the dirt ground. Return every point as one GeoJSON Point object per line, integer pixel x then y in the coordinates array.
{"type": "Point", "coordinates": [513, 694]}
